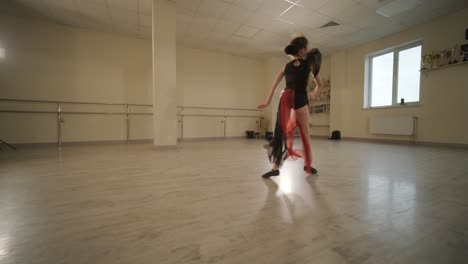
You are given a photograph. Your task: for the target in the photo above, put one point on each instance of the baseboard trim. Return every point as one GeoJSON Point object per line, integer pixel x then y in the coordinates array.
{"type": "Point", "coordinates": [139, 141]}
{"type": "Point", "coordinates": [408, 142]}
{"type": "Point", "coordinates": [209, 138]}
{"type": "Point", "coordinates": [318, 136]}
{"type": "Point", "coordinates": [165, 147]}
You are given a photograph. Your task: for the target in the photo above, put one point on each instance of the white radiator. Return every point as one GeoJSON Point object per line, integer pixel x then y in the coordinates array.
{"type": "Point", "coordinates": [392, 125]}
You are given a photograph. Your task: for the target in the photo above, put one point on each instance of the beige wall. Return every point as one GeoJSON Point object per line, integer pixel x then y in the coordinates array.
{"type": "Point", "coordinates": [209, 79]}
{"type": "Point", "coordinates": [272, 67]}
{"type": "Point", "coordinates": [320, 122]}
{"type": "Point", "coordinates": [443, 113]}
{"type": "Point", "coordinates": [46, 61]}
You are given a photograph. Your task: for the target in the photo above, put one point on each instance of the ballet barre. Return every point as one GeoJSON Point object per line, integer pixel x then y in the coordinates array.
{"type": "Point", "coordinates": [181, 114]}
{"type": "Point", "coordinates": [60, 113]}
{"type": "Point", "coordinates": [127, 113]}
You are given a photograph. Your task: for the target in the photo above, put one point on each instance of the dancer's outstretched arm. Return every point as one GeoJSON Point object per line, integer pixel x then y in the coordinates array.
{"type": "Point", "coordinates": [278, 79]}
{"type": "Point", "coordinates": [315, 93]}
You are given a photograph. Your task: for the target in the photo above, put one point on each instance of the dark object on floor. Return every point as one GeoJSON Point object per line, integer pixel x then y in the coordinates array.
{"type": "Point", "coordinates": [336, 135]}
{"type": "Point", "coordinates": [257, 134]}
{"type": "Point", "coordinates": [250, 134]}
{"type": "Point", "coordinates": [269, 136]}
{"type": "Point", "coordinates": [312, 170]}
{"type": "Point", "coordinates": [271, 174]}
{"type": "Point", "coordinates": [7, 144]}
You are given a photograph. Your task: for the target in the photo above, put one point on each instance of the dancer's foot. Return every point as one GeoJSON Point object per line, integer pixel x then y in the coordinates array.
{"type": "Point", "coordinates": [271, 174]}
{"type": "Point", "coordinates": [312, 170]}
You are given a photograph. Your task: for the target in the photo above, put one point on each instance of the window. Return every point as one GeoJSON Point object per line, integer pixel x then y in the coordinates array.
{"type": "Point", "coordinates": [393, 76]}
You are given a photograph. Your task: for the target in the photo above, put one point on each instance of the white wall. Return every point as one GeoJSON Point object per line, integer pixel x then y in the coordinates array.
{"type": "Point", "coordinates": [210, 79]}
{"type": "Point", "coordinates": [443, 113]}
{"type": "Point", "coordinates": [45, 61]}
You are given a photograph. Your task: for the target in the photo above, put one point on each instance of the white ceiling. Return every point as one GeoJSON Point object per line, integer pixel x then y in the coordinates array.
{"type": "Point", "coordinates": [245, 27]}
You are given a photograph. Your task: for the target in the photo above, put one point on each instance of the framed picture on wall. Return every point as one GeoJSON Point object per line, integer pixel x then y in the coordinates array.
{"type": "Point", "coordinates": [464, 52]}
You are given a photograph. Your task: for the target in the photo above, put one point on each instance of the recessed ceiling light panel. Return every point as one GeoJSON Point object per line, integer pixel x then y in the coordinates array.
{"type": "Point", "coordinates": [397, 7]}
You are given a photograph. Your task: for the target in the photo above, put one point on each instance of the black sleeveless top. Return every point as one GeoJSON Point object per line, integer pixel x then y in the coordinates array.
{"type": "Point", "coordinates": [297, 77]}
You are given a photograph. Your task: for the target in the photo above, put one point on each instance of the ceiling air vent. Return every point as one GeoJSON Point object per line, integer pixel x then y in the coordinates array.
{"type": "Point", "coordinates": [330, 24]}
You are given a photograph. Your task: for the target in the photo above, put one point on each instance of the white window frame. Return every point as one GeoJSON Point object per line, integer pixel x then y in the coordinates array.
{"type": "Point", "coordinates": [368, 76]}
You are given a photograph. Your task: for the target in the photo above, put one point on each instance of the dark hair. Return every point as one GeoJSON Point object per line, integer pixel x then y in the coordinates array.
{"type": "Point", "coordinates": [314, 58]}
{"type": "Point", "coordinates": [296, 45]}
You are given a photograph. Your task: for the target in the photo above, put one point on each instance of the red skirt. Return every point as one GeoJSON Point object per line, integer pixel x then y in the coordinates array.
{"type": "Point", "coordinates": [287, 118]}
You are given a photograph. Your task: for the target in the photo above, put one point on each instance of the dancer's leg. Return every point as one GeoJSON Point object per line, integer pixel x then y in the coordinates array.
{"type": "Point", "coordinates": [302, 118]}
{"type": "Point", "coordinates": [280, 137]}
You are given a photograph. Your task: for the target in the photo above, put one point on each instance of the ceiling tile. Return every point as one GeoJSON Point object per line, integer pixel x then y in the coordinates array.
{"type": "Point", "coordinates": [238, 40]}
{"type": "Point", "coordinates": [269, 38]}
{"type": "Point", "coordinates": [226, 27]}
{"type": "Point", "coordinates": [333, 7]}
{"type": "Point", "coordinates": [188, 4]}
{"type": "Point", "coordinates": [249, 4]}
{"type": "Point", "coordinates": [238, 14]}
{"type": "Point", "coordinates": [373, 4]}
{"type": "Point", "coordinates": [274, 7]}
{"type": "Point", "coordinates": [201, 27]}
{"type": "Point", "coordinates": [246, 31]}
{"type": "Point", "coordinates": [359, 37]}
{"type": "Point", "coordinates": [446, 6]}
{"type": "Point", "coordinates": [355, 12]}
{"type": "Point", "coordinates": [361, 16]}
{"type": "Point", "coordinates": [268, 22]}
{"type": "Point", "coordinates": [259, 20]}
{"type": "Point", "coordinates": [312, 4]}
{"type": "Point", "coordinates": [124, 4]}
{"type": "Point", "coordinates": [214, 24]}
{"type": "Point", "coordinates": [315, 35]}
{"type": "Point", "coordinates": [213, 8]}
{"type": "Point", "coordinates": [340, 30]}
{"type": "Point", "coordinates": [306, 18]}
{"type": "Point", "coordinates": [204, 22]}
{"type": "Point", "coordinates": [220, 36]}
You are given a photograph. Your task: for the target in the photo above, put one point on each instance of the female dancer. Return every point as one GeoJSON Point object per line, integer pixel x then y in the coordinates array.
{"type": "Point", "coordinates": [293, 109]}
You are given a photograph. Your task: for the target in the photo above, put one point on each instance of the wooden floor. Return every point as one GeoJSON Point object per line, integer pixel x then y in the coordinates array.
{"type": "Point", "coordinates": [206, 203]}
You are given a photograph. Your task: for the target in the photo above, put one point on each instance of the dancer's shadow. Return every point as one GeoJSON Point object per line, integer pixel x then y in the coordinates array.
{"type": "Point", "coordinates": [272, 187]}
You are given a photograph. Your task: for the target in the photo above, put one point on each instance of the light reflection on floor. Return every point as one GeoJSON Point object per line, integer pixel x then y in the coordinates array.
{"type": "Point", "coordinates": [206, 203]}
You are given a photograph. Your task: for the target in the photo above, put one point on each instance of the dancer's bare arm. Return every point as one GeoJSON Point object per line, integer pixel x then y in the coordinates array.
{"type": "Point", "coordinates": [278, 79]}
{"type": "Point", "coordinates": [315, 93]}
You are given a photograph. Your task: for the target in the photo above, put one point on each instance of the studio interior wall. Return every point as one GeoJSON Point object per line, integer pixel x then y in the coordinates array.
{"type": "Point", "coordinates": [47, 61]}
{"type": "Point", "coordinates": [220, 80]}
{"type": "Point", "coordinates": [442, 116]}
